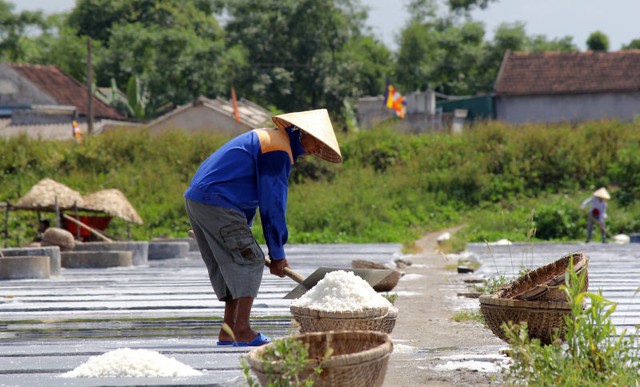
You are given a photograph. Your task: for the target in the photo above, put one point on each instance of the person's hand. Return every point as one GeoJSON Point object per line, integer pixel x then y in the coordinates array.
{"type": "Point", "coordinates": [277, 267]}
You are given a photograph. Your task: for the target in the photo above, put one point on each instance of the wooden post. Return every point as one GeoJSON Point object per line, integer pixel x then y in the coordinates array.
{"type": "Point", "coordinates": [75, 208]}
{"type": "Point", "coordinates": [58, 223]}
{"type": "Point", "coordinates": [6, 224]}
{"type": "Point", "coordinates": [90, 88]}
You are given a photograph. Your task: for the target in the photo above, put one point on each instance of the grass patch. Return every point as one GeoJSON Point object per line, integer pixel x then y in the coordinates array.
{"type": "Point", "coordinates": [468, 315]}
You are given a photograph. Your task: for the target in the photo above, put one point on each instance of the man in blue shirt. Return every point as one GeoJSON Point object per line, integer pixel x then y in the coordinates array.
{"type": "Point", "coordinates": [247, 174]}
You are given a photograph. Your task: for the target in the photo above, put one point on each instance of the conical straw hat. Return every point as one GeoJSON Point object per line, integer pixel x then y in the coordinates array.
{"type": "Point", "coordinates": [602, 194]}
{"type": "Point", "coordinates": [317, 124]}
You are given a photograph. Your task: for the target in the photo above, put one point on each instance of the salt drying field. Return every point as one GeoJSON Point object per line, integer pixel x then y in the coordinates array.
{"type": "Point", "coordinates": [50, 327]}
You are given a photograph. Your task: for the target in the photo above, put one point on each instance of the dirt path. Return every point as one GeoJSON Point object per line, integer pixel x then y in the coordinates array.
{"type": "Point", "coordinates": [425, 335]}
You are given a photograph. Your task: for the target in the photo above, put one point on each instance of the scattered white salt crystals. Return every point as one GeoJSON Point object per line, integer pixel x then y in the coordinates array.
{"type": "Point", "coordinates": [125, 362]}
{"type": "Point", "coordinates": [403, 348]}
{"type": "Point", "coordinates": [500, 242]}
{"type": "Point", "coordinates": [473, 365]}
{"type": "Point", "coordinates": [479, 363]}
{"type": "Point", "coordinates": [412, 277]}
{"type": "Point", "coordinates": [341, 291]}
{"type": "Point", "coordinates": [445, 236]}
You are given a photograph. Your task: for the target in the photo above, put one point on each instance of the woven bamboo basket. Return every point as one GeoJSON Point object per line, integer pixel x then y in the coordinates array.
{"type": "Point", "coordinates": [542, 284]}
{"type": "Point", "coordinates": [359, 359]}
{"type": "Point", "coordinates": [385, 285]}
{"type": "Point", "coordinates": [543, 318]}
{"type": "Point", "coordinates": [374, 319]}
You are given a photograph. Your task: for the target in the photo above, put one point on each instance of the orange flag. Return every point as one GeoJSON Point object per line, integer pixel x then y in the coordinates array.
{"type": "Point", "coordinates": [234, 101]}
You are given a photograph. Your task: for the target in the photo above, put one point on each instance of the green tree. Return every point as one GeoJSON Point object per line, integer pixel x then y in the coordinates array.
{"type": "Point", "coordinates": [467, 5]}
{"type": "Point", "coordinates": [13, 31]}
{"type": "Point", "coordinates": [452, 57]}
{"type": "Point", "coordinates": [439, 54]}
{"type": "Point", "coordinates": [176, 47]}
{"type": "Point", "coordinates": [598, 41]}
{"type": "Point", "coordinates": [633, 45]}
{"type": "Point", "coordinates": [304, 53]}
{"type": "Point", "coordinates": [60, 45]}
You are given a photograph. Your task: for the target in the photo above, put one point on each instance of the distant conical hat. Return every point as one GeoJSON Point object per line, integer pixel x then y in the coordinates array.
{"type": "Point", "coordinates": [318, 125]}
{"type": "Point", "coordinates": [602, 194]}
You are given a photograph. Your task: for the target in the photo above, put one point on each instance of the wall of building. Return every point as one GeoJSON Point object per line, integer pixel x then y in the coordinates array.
{"type": "Point", "coordinates": [200, 118]}
{"type": "Point", "coordinates": [572, 108]}
{"type": "Point", "coordinates": [421, 115]}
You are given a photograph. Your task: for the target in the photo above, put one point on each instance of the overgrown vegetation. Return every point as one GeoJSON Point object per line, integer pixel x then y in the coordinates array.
{"type": "Point", "coordinates": [594, 353]}
{"type": "Point", "coordinates": [391, 188]}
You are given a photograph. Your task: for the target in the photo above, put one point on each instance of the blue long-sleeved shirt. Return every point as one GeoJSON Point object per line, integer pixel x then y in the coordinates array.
{"type": "Point", "coordinates": [249, 172]}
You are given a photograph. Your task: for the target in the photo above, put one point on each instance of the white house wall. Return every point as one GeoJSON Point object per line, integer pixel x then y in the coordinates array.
{"type": "Point", "coordinates": [573, 108]}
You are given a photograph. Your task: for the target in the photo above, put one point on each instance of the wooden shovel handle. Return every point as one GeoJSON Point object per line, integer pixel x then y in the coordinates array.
{"type": "Point", "coordinates": [287, 271]}
{"type": "Point", "coordinates": [603, 228]}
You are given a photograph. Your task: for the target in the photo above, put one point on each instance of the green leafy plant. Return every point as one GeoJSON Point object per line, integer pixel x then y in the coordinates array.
{"type": "Point", "coordinates": [286, 360]}
{"type": "Point", "coordinates": [594, 353]}
{"type": "Point", "coordinates": [391, 297]}
{"type": "Point", "coordinates": [491, 285]}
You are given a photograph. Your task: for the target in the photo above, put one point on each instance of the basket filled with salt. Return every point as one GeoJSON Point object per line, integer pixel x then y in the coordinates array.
{"type": "Point", "coordinates": [343, 301]}
{"type": "Point", "coordinates": [356, 358]}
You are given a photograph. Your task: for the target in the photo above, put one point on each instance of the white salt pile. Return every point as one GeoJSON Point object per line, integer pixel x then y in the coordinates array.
{"type": "Point", "coordinates": [341, 291]}
{"type": "Point", "coordinates": [125, 362]}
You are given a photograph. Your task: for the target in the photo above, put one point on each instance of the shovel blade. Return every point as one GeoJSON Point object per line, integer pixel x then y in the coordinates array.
{"type": "Point", "coordinates": [372, 276]}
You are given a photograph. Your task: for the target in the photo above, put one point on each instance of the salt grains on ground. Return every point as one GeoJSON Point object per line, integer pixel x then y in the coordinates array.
{"type": "Point", "coordinates": [125, 362]}
{"type": "Point", "coordinates": [341, 291]}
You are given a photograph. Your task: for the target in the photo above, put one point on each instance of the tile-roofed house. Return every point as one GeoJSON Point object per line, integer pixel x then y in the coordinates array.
{"type": "Point", "coordinates": [27, 84]}
{"type": "Point", "coordinates": [214, 115]}
{"type": "Point", "coordinates": [42, 101]}
{"type": "Point", "coordinates": [568, 86]}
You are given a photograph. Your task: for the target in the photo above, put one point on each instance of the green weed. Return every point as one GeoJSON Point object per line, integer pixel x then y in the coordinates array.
{"type": "Point", "coordinates": [286, 362]}
{"type": "Point", "coordinates": [594, 353]}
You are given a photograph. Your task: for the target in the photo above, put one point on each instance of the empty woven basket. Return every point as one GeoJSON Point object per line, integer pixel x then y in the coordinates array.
{"type": "Point", "coordinates": [359, 359]}
{"type": "Point", "coordinates": [534, 298]}
{"type": "Point", "coordinates": [374, 319]}
{"type": "Point", "coordinates": [543, 318]}
{"type": "Point", "coordinates": [543, 283]}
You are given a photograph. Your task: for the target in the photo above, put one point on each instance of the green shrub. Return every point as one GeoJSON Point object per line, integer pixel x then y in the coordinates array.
{"type": "Point", "coordinates": [392, 187]}
{"type": "Point", "coordinates": [594, 353]}
{"type": "Point", "coordinates": [558, 221]}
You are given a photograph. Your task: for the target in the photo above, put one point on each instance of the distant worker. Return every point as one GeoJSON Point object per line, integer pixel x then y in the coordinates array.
{"type": "Point", "coordinates": [597, 212]}
{"type": "Point", "coordinates": [43, 225]}
{"type": "Point", "coordinates": [77, 132]}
